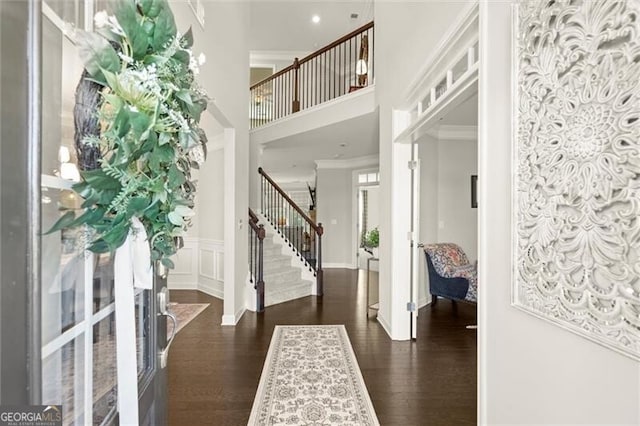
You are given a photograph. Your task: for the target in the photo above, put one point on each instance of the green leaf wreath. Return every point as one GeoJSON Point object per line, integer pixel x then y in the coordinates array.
{"type": "Point", "coordinates": [149, 138]}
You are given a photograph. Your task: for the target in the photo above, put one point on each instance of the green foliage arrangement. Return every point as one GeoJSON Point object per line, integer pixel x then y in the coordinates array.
{"type": "Point", "coordinates": [372, 238]}
{"type": "Point", "coordinates": [150, 139]}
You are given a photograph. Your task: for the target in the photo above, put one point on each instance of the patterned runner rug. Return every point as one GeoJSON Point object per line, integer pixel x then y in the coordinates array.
{"type": "Point", "coordinates": [311, 376]}
{"type": "Point", "coordinates": [185, 313]}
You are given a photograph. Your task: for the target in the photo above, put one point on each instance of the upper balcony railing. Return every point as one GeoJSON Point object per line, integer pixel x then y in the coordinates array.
{"type": "Point", "coordinates": [341, 67]}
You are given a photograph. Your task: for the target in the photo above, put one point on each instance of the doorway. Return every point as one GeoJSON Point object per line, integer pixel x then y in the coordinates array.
{"type": "Point", "coordinates": [445, 200]}
{"type": "Point", "coordinates": [367, 200]}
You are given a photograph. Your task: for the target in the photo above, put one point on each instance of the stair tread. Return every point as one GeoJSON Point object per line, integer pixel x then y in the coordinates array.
{"type": "Point", "coordinates": [283, 287]}
{"type": "Point", "coordinates": [273, 275]}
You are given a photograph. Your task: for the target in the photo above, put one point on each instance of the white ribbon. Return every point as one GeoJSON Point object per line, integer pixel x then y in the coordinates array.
{"type": "Point", "coordinates": [140, 256]}
{"type": "Point", "coordinates": [132, 267]}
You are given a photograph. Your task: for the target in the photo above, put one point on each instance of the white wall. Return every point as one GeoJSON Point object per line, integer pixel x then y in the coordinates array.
{"type": "Point", "coordinates": [457, 221]}
{"type": "Point", "coordinates": [211, 196]}
{"type": "Point", "coordinates": [406, 34]}
{"type": "Point", "coordinates": [334, 191]}
{"type": "Point", "coordinates": [530, 371]}
{"type": "Point", "coordinates": [225, 76]}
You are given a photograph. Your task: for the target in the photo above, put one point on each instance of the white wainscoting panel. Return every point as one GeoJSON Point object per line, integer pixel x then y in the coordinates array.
{"type": "Point", "coordinates": [199, 266]}
{"type": "Point", "coordinates": [211, 267]}
{"type": "Point", "coordinates": [185, 275]}
{"type": "Point", "coordinates": [207, 263]}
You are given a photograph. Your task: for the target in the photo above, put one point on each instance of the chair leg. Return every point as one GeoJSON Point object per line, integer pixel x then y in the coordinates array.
{"type": "Point", "coordinates": [434, 300]}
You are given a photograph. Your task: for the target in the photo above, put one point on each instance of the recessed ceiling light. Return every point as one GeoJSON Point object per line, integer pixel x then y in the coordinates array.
{"type": "Point", "coordinates": [354, 16]}
{"type": "Point", "coordinates": [315, 19]}
{"type": "Point", "coordinates": [343, 145]}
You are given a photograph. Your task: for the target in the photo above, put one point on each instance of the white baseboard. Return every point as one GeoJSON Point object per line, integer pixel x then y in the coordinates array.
{"type": "Point", "coordinates": [424, 302]}
{"type": "Point", "coordinates": [338, 265]}
{"type": "Point", "coordinates": [211, 290]}
{"type": "Point", "coordinates": [385, 325]}
{"type": "Point", "coordinates": [233, 319]}
{"type": "Point", "coordinates": [182, 285]}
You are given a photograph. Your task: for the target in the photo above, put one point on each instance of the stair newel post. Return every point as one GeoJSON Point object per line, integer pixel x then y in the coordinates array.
{"type": "Point", "coordinates": [319, 271]}
{"type": "Point", "coordinates": [293, 231]}
{"type": "Point", "coordinates": [299, 236]}
{"type": "Point", "coordinates": [312, 243]}
{"type": "Point", "coordinates": [290, 233]}
{"type": "Point", "coordinates": [296, 88]}
{"type": "Point", "coordinates": [262, 193]}
{"type": "Point", "coordinates": [279, 211]}
{"type": "Point", "coordinates": [260, 274]}
{"type": "Point", "coordinates": [255, 257]}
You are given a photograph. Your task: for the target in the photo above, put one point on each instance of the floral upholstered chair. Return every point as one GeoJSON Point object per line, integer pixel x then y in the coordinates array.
{"type": "Point", "coordinates": [450, 274]}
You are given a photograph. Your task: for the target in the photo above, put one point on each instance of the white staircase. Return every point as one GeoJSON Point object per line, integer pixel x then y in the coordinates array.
{"type": "Point", "coordinates": [285, 277]}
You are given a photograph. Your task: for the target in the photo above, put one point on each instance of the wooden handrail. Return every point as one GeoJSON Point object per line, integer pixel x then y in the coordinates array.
{"type": "Point", "coordinates": [272, 76]}
{"type": "Point", "coordinates": [318, 228]}
{"type": "Point", "coordinates": [317, 53]}
{"type": "Point", "coordinates": [337, 42]}
{"type": "Point", "coordinates": [252, 216]}
{"type": "Point", "coordinates": [253, 223]}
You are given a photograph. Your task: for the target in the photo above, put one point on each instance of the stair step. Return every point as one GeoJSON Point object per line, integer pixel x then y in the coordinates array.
{"type": "Point", "coordinates": [282, 282]}
{"type": "Point", "coordinates": [284, 277]}
{"type": "Point", "coordinates": [297, 290]}
{"type": "Point", "coordinates": [272, 249]}
{"type": "Point", "coordinates": [277, 264]}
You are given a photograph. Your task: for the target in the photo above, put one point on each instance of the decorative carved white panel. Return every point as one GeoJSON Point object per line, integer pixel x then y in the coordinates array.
{"type": "Point", "coordinates": [577, 167]}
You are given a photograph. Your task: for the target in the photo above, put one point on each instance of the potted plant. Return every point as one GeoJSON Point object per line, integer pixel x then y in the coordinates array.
{"type": "Point", "coordinates": [372, 241]}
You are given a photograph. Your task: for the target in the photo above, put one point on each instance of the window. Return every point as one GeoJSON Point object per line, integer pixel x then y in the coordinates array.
{"type": "Point", "coordinates": [369, 178]}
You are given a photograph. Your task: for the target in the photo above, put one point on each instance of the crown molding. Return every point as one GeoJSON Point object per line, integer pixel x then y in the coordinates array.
{"type": "Point", "coordinates": [264, 56]}
{"type": "Point", "coordinates": [349, 163]}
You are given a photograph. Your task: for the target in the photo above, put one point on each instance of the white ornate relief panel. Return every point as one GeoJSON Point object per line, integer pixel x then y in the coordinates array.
{"type": "Point", "coordinates": [577, 167]}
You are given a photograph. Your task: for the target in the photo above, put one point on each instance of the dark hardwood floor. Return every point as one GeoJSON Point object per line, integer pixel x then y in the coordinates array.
{"type": "Point", "coordinates": [214, 371]}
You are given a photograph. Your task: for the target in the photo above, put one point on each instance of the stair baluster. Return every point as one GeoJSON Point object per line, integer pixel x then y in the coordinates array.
{"type": "Point", "coordinates": [256, 258]}
{"type": "Point", "coordinates": [302, 234]}
{"type": "Point", "coordinates": [318, 77]}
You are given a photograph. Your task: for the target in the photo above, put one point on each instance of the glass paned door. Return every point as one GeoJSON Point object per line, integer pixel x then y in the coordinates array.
{"type": "Point", "coordinates": [78, 312]}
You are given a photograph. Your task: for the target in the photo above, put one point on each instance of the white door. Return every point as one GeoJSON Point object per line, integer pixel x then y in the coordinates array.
{"type": "Point", "coordinates": [416, 249]}
{"type": "Point", "coordinates": [77, 306]}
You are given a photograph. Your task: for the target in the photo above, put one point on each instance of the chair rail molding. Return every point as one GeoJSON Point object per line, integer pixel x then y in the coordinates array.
{"type": "Point", "coordinates": [576, 231]}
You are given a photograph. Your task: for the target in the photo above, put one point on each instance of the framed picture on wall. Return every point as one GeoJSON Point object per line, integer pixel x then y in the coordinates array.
{"type": "Point", "coordinates": [474, 191]}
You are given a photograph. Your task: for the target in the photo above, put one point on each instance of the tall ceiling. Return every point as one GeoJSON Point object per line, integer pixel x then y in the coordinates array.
{"type": "Point", "coordinates": [287, 26]}
{"type": "Point", "coordinates": [293, 158]}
